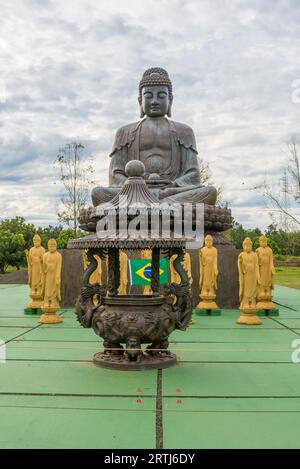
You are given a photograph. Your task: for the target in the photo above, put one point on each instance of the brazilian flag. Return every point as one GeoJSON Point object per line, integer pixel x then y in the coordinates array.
{"type": "Point", "coordinates": [140, 271]}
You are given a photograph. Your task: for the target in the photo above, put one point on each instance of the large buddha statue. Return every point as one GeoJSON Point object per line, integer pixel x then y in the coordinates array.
{"type": "Point", "coordinates": [166, 148]}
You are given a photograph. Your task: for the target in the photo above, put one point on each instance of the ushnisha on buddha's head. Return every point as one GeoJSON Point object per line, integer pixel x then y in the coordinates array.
{"type": "Point", "coordinates": [52, 245]}
{"type": "Point", "coordinates": [263, 241]}
{"type": "Point", "coordinates": [208, 241]}
{"type": "Point", "coordinates": [37, 240]}
{"type": "Point", "coordinates": [155, 93]}
{"type": "Point", "coordinates": [247, 244]}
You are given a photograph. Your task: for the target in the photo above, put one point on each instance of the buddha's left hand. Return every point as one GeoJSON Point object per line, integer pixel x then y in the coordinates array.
{"type": "Point", "coordinates": [171, 184]}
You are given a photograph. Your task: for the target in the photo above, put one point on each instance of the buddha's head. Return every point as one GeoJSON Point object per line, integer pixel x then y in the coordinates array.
{"type": "Point", "coordinates": [247, 244]}
{"type": "Point", "coordinates": [52, 245]}
{"type": "Point", "coordinates": [37, 241]}
{"type": "Point", "coordinates": [263, 241]}
{"type": "Point", "coordinates": [208, 241]}
{"type": "Point", "coordinates": [155, 93]}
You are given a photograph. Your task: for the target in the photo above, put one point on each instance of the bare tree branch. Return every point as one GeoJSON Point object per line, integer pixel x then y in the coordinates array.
{"type": "Point", "coordinates": [75, 175]}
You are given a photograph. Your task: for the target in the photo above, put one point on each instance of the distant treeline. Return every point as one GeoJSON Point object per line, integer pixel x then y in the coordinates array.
{"type": "Point", "coordinates": [283, 243]}
{"type": "Point", "coordinates": [16, 236]}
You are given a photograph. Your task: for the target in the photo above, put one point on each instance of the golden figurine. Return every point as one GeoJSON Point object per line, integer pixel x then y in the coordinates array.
{"type": "Point", "coordinates": [52, 263]}
{"type": "Point", "coordinates": [266, 274]}
{"type": "Point", "coordinates": [175, 278]}
{"type": "Point", "coordinates": [147, 254]}
{"type": "Point", "coordinates": [96, 276]}
{"type": "Point", "coordinates": [123, 273]}
{"type": "Point", "coordinates": [249, 281]}
{"type": "Point", "coordinates": [35, 274]}
{"type": "Point", "coordinates": [208, 259]}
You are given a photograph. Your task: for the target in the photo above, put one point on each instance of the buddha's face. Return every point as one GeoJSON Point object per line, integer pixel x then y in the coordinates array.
{"type": "Point", "coordinates": [36, 242]}
{"type": "Point", "coordinates": [52, 246]}
{"type": "Point", "coordinates": [155, 101]}
{"type": "Point", "coordinates": [208, 241]}
{"type": "Point", "coordinates": [247, 247]}
{"type": "Point", "coordinates": [263, 242]}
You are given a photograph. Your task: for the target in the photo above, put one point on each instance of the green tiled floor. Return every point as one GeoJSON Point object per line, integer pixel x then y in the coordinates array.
{"type": "Point", "coordinates": [235, 386]}
{"type": "Point", "coordinates": [85, 422]}
{"type": "Point", "coordinates": [231, 423]}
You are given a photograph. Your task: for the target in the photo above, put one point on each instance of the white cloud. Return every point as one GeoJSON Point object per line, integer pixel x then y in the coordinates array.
{"type": "Point", "coordinates": [71, 69]}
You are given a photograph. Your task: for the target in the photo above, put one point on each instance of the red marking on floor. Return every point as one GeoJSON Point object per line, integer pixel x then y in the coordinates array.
{"type": "Point", "coordinates": [139, 401]}
{"type": "Point", "coordinates": [179, 390]}
{"type": "Point", "coordinates": [179, 401]}
{"type": "Point", "coordinates": [139, 390]}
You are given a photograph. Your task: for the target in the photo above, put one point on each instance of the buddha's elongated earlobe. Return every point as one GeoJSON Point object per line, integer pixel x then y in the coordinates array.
{"type": "Point", "coordinates": [169, 114]}
{"type": "Point", "coordinates": [142, 114]}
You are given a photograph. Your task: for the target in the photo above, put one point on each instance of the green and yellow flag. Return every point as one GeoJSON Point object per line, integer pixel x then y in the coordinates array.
{"type": "Point", "coordinates": [140, 271]}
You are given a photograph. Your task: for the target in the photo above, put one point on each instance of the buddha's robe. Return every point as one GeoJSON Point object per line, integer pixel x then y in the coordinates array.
{"type": "Point", "coordinates": [35, 269]}
{"type": "Point", "coordinates": [248, 278]}
{"type": "Point", "coordinates": [175, 277]}
{"type": "Point", "coordinates": [208, 259]}
{"type": "Point", "coordinates": [167, 149]}
{"type": "Point", "coordinates": [52, 263]}
{"type": "Point", "coordinates": [266, 270]}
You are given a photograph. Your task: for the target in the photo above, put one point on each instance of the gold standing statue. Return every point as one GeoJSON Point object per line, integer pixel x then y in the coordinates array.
{"type": "Point", "coordinates": [266, 273]}
{"type": "Point", "coordinates": [96, 276]}
{"type": "Point", "coordinates": [123, 273]}
{"type": "Point", "coordinates": [249, 281]}
{"type": "Point", "coordinates": [35, 274]}
{"type": "Point", "coordinates": [175, 278]}
{"type": "Point", "coordinates": [52, 263]}
{"type": "Point", "coordinates": [208, 260]}
{"type": "Point", "coordinates": [147, 254]}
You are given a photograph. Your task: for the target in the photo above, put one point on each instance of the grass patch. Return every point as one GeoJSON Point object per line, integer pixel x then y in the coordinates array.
{"type": "Point", "coordinates": [288, 277]}
{"type": "Point", "coordinates": [13, 269]}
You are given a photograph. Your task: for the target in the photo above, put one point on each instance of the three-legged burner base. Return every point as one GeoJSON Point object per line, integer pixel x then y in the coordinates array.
{"type": "Point", "coordinates": [146, 362]}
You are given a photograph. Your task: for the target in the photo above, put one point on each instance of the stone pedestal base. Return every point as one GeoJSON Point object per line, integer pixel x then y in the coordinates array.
{"type": "Point", "coordinates": [50, 316]}
{"type": "Point", "coordinates": [265, 305]}
{"type": "Point", "coordinates": [249, 317]}
{"type": "Point", "coordinates": [35, 304]}
{"type": "Point", "coordinates": [36, 300]}
{"type": "Point", "coordinates": [207, 305]}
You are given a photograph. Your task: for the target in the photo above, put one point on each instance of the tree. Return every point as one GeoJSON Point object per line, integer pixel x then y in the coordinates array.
{"type": "Point", "coordinates": [63, 238]}
{"type": "Point", "coordinates": [75, 175]}
{"type": "Point", "coordinates": [287, 192]}
{"type": "Point", "coordinates": [12, 247]}
{"type": "Point", "coordinates": [19, 225]}
{"type": "Point", "coordinates": [238, 233]}
{"type": "Point", "coordinates": [49, 232]}
{"type": "Point", "coordinates": [283, 242]}
{"type": "Point", "coordinates": [206, 178]}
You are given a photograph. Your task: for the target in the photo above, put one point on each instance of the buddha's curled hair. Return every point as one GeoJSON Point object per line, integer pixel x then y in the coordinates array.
{"type": "Point", "coordinates": [156, 76]}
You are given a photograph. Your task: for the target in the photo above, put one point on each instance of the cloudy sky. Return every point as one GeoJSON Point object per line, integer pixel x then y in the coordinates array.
{"type": "Point", "coordinates": [69, 71]}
